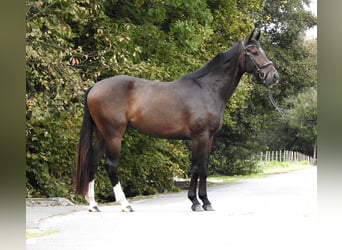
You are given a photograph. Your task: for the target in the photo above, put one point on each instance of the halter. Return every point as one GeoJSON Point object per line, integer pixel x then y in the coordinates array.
{"type": "Point", "coordinates": [261, 75]}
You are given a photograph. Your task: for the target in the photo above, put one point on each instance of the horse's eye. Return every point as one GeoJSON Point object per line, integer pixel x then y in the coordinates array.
{"type": "Point", "coordinates": [255, 52]}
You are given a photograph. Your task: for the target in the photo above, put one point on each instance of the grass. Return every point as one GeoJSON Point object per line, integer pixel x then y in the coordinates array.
{"type": "Point", "coordinates": [30, 235]}
{"type": "Point", "coordinates": [274, 167]}
{"type": "Point", "coordinates": [264, 168]}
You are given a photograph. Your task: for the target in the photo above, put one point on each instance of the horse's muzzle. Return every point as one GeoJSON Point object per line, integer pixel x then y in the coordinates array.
{"type": "Point", "coordinates": [271, 78]}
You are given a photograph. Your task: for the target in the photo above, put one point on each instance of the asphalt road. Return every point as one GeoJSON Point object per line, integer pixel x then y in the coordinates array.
{"type": "Point", "coordinates": [275, 212]}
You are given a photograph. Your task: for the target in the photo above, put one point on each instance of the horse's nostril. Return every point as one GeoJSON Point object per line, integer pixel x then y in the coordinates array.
{"type": "Point", "coordinates": [275, 77]}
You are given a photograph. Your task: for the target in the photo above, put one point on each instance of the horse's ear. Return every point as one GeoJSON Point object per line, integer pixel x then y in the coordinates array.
{"type": "Point", "coordinates": [257, 36]}
{"type": "Point", "coordinates": [249, 37]}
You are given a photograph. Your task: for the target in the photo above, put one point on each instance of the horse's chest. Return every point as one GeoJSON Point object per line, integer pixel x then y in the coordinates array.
{"type": "Point", "coordinates": [206, 113]}
{"type": "Point", "coordinates": [208, 121]}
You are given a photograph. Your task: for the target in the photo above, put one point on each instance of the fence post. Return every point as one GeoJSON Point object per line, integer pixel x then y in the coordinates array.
{"type": "Point", "coordinates": [284, 156]}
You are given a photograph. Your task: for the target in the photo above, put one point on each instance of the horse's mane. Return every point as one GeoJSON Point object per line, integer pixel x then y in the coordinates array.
{"type": "Point", "coordinates": [220, 58]}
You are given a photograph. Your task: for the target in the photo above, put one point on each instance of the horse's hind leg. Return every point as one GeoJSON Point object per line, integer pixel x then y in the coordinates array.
{"type": "Point", "coordinates": [111, 166]}
{"type": "Point", "coordinates": [90, 197]}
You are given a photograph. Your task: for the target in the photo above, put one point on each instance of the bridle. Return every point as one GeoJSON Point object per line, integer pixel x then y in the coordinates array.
{"type": "Point", "coordinates": [261, 75]}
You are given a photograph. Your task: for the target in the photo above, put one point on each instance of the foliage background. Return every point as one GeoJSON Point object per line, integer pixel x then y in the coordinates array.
{"type": "Point", "coordinates": [72, 44]}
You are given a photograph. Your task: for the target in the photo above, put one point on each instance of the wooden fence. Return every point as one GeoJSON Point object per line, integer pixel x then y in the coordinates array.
{"type": "Point", "coordinates": [286, 156]}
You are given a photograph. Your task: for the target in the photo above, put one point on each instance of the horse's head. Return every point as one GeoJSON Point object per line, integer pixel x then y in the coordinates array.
{"type": "Point", "coordinates": [255, 61]}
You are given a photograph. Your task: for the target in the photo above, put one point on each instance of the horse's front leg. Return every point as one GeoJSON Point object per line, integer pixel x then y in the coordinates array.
{"type": "Point", "coordinates": [192, 194]}
{"type": "Point", "coordinates": [199, 169]}
{"type": "Point", "coordinates": [202, 193]}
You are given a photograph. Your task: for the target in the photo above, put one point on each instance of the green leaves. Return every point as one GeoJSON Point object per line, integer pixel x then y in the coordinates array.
{"type": "Point", "coordinates": [303, 117]}
{"type": "Point", "coordinates": [70, 45]}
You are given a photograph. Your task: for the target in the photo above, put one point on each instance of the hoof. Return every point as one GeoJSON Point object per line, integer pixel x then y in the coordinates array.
{"type": "Point", "coordinates": [196, 208]}
{"type": "Point", "coordinates": [208, 207]}
{"type": "Point", "coordinates": [127, 209]}
{"type": "Point", "coordinates": [94, 209]}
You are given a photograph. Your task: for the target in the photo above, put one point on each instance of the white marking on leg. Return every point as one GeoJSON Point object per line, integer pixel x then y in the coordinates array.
{"type": "Point", "coordinates": [90, 197]}
{"type": "Point", "coordinates": [120, 197]}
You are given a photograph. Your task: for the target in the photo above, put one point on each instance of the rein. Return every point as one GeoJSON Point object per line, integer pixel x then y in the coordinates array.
{"type": "Point", "coordinates": [283, 113]}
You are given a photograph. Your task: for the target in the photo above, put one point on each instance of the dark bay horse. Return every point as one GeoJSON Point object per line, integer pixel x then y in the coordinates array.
{"type": "Point", "coordinates": [189, 108]}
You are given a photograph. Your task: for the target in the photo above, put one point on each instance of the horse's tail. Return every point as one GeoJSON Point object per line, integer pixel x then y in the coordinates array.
{"type": "Point", "coordinates": [85, 156]}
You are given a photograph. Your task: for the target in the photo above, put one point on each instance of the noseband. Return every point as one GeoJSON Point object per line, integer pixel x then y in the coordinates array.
{"type": "Point", "coordinates": [261, 75]}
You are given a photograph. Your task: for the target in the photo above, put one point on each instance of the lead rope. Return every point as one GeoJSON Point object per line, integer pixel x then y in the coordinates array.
{"type": "Point", "coordinates": [282, 112]}
{"type": "Point", "coordinates": [275, 105]}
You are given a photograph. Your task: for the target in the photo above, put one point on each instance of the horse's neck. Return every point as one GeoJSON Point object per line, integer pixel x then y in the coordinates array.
{"type": "Point", "coordinates": [223, 83]}
{"type": "Point", "coordinates": [231, 85]}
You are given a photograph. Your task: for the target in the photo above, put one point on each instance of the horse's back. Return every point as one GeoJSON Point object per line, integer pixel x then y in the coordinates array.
{"type": "Point", "coordinates": [162, 109]}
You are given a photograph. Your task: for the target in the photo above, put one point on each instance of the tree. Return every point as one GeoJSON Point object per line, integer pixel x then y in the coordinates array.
{"type": "Point", "coordinates": [285, 23]}
{"type": "Point", "coordinates": [65, 54]}
{"type": "Point", "coordinates": [70, 45]}
{"type": "Point", "coordinates": [53, 94]}
{"type": "Point", "coordinates": [303, 119]}
{"type": "Point", "coordinates": [296, 60]}
{"type": "Point", "coordinates": [252, 124]}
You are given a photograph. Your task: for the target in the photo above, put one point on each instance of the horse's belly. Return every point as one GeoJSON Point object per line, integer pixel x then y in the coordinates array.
{"type": "Point", "coordinates": [161, 125]}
